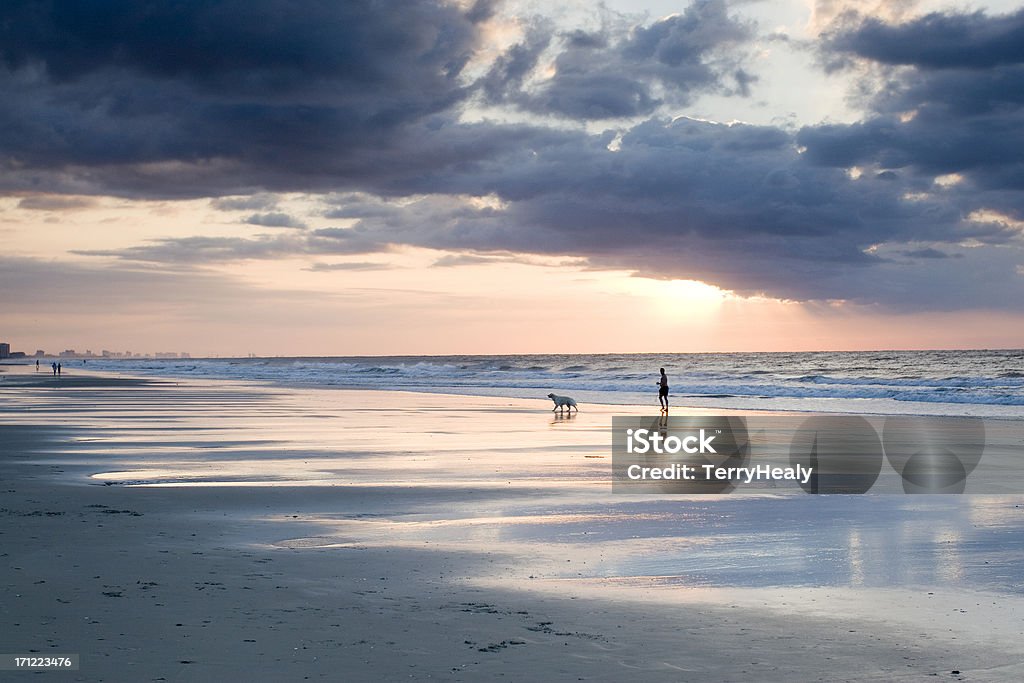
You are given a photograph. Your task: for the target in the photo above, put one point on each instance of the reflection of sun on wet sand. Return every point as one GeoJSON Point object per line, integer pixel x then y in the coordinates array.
{"type": "Point", "coordinates": [214, 530]}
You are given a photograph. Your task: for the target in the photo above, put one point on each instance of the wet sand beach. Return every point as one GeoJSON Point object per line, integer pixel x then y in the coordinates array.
{"type": "Point", "coordinates": [209, 530]}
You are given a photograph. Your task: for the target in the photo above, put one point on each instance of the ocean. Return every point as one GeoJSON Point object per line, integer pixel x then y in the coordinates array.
{"type": "Point", "coordinates": [979, 382]}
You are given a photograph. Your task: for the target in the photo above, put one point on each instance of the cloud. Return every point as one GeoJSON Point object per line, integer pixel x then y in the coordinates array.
{"type": "Point", "coordinates": [135, 98]}
{"type": "Point", "coordinates": [259, 47]}
{"type": "Point", "coordinates": [672, 202]}
{"type": "Point", "coordinates": [253, 202]}
{"type": "Point", "coordinates": [468, 259]}
{"type": "Point", "coordinates": [825, 13]}
{"type": "Point", "coordinates": [55, 203]}
{"type": "Point", "coordinates": [201, 249]}
{"type": "Point", "coordinates": [952, 103]}
{"type": "Point", "coordinates": [935, 41]}
{"type": "Point", "coordinates": [228, 98]}
{"type": "Point", "coordinates": [622, 70]}
{"type": "Point", "coordinates": [929, 253]}
{"type": "Point", "coordinates": [362, 105]}
{"type": "Point", "coordinates": [274, 220]}
{"type": "Point", "coordinates": [350, 265]}
{"type": "Point", "coordinates": [453, 260]}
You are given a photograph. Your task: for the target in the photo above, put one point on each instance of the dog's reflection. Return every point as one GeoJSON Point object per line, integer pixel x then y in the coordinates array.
{"type": "Point", "coordinates": [562, 417]}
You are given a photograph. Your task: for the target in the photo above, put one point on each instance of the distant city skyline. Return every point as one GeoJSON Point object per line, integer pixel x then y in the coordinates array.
{"type": "Point", "coordinates": [7, 350]}
{"type": "Point", "coordinates": [513, 177]}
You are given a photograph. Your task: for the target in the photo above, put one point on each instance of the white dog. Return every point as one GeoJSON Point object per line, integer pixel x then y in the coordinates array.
{"type": "Point", "coordinates": [563, 402]}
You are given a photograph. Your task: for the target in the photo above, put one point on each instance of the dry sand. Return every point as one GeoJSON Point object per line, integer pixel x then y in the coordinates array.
{"type": "Point", "coordinates": [212, 531]}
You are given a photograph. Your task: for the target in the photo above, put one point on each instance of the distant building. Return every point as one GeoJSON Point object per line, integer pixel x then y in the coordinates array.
{"type": "Point", "coordinates": [68, 353]}
{"type": "Point", "coordinates": [40, 353]}
{"type": "Point", "coordinates": [185, 355]}
{"type": "Point", "coordinates": [5, 350]}
{"type": "Point", "coordinates": [16, 354]}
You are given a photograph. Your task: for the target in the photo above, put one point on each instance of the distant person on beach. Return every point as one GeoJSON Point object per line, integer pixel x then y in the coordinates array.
{"type": "Point", "coordinates": [663, 390]}
{"type": "Point", "coordinates": [58, 369]}
{"type": "Point", "coordinates": [54, 366]}
{"type": "Point", "coordinates": [37, 366]}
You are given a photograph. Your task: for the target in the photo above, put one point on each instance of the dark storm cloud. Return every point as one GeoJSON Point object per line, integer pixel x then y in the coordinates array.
{"type": "Point", "coordinates": [673, 201]}
{"type": "Point", "coordinates": [961, 121]}
{"type": "Point", "coordinates": [263, 47]}
{"type": "Point", "coordinates": [129, 97]}
{"type": "Point", "coordinates": [936, 41]}
{"type": "Point", "coordinates": [624, 71]}
{"type": "Point", "coordinates": [231, 97]}
{"type": "Point", "coordinates": [363, 101]}
{"type": "Point", "coordinates": [954, 105]}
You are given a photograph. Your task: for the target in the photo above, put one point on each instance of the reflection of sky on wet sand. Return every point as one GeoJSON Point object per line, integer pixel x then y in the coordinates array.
{"type": "Point", "coordinates": [834, 541]}
{"type": "Point", "coordinates": [528, 486]}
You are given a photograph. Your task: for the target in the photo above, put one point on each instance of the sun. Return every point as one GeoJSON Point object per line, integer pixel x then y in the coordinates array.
{"type": "Point", "coordinates": [694, 296]}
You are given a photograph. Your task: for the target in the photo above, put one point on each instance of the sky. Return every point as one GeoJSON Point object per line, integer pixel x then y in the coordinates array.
{"type": "Point", "coordinates": [367, 178]}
